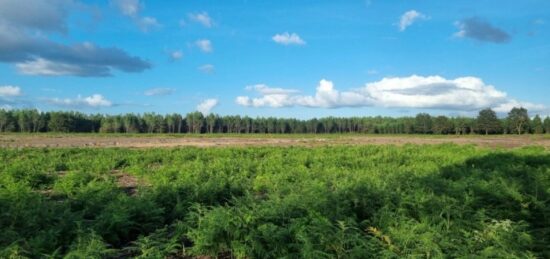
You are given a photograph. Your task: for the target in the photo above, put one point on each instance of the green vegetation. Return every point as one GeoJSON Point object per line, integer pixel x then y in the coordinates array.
{"type": "Point", "coordinates": [31, 121]}
{"type": "Point", "coordinates": [266, 202]}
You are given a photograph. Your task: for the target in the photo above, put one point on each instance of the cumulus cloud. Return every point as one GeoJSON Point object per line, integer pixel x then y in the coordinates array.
{"type": "Point", "coordinates": [431, 92]}
{"type": "Point", "coordinates": [203, 18]}
{"type": "Point", "coordinates": [36, 14]}
{"type": "Point", "coordinates": [409, 17]}
{"type": "Point", "coordinates": [93, 101]}
{"type": "Point", "coordinates": [35, 56]}
{"type": "Point", "coordinates": [207, 68]}
{"type": "Point", "coordinates": [132, 9]}
{"type": "Point", "coordinates": [10, 91]}
{"type": "Point", "coordinates": [25, 43]}
{"type": "Point", "coordinates": [176, 55]}
{"type": "Point", "coordinates": [478, 29]}
{"type": "Point", "coordinates": [204, 45]}
{"type": "Point", "coordinates": [511, 103]}
{"type": "Point", "coordinates": [159, 91]}
{"type": "Point", "coordinates": [207, 105]}
{"type": "Point", "coordinates": [288, 39]}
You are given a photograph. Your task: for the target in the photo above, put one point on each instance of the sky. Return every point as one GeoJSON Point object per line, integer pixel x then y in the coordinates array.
{"type": "Point", "coordinates": [281, 58]}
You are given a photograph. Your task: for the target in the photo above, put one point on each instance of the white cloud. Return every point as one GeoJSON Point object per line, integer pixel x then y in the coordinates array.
{"type": "Point", "coordinates": [159, 91]}
{"type": "Point", "coordinates": [204, 45]}
{"type": "Point", "coordinates": [409, 17]}
{"type": "Point", "coordinates": [147, 23]}
{"type": "Point", "coordinates": [46, 67]}
{"type": "Point", "coordinates": [509, 104]}
{"type": "Point", "coordinates": [176, 55]}
{"type": "Point", "coordinates": [207, 68]}
{"type": "Point", "coordinates": [207, 105]}
{"type": "Point", "coordinates": [93, 101]}
{"type": "Point", "coordinates": [288, 39]}
{"type": "Point", "coordinates": [10, 91]}
{"type": "Point", "coordinates": [202, 18]}
{"type": "Point", "coordinates": [431, 92]}
{"type": "Point", "coordinates": [372, 72]}
{"type": "Point", "coordinates": [128, 7]}
{"type": "Point", "coordinates": [132, 9]}
{"type": "Point", "coordinates": [266, 90]}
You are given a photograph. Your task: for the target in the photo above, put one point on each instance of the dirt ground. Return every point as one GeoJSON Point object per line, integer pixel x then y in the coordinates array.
{"type": "Point", "coordinates": [99, 141]}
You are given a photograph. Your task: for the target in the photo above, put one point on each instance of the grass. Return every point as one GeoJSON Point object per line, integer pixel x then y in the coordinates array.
{"type": "Point", "coordinates": [271, 202]}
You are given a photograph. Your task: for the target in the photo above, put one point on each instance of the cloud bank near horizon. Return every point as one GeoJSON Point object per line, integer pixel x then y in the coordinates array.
{"type": "Point", "coordinates": [421, 92]}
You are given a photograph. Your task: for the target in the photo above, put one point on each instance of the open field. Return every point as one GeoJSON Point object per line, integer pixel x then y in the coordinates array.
{"type": "Point", "coordinates": [222, 140]}
{"type": "Point", "coordinates": [341, 201]}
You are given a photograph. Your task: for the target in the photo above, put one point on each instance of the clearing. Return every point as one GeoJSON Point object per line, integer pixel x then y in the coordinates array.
{"type": "Point", "coordinates": [164, 140]}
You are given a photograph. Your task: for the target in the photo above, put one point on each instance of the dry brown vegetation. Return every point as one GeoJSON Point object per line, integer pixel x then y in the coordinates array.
{"type": "Point", "coordinates": [52, 141]}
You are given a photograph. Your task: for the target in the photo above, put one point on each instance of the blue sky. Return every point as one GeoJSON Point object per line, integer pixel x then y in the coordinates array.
{"type": "Point", "coordinates": [276, 58]}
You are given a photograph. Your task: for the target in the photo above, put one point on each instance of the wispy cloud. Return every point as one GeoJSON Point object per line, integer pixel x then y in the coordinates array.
{"type": "Point", "coordinates": [478, 29]}
{"type": "Point", "coordinates": [207, 105]}
{"type": "Point", "coordinates": [203, 18]}
{"type": "Point", "coordinates": [204, 45]}
{"type": "Point", "coordinates": [288, 39]}
{"type": "Point", "coordinates": [176, 55]}
{"type": "Point", "coordinates": [409, 17]}
{"type": "Point", "coordinates": [132, 9]}
{"type": "Point", "coordinates": [159, 91]}
{"type": "Point", "coordinates": [207, 68]}
{"type": "Point", "coordinates": [93, 101]}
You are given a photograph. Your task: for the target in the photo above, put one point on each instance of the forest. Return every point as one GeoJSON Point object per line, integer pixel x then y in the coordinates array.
{"type": "Point", "coordinates": [517, 121]}
{"type": "Point", "coordinates": [433, 201]}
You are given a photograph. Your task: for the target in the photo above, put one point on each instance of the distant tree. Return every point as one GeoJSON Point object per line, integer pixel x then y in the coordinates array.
{"type": "Point", "coordinates": [107, 125]}
{"type": "Point", "coordinates": [536, 125]}
{"type": "Point", "coordinates": [487, 121]}
{"type": "Point", "coordinates": [195, 122]}
{"type": "Point", "coordinates": [7, 122]}
{"type": "Point", "coordinates": [38, 121]}
{"type": "Point", "coordinates": [174, 123]}
{"type": "Point", "coordinates": [247, 123]}
{"type": "Point", "coordinates": [547, 125]}
{"type": "Point", "coordinates": [423, 123]}
{"type": "Point", "coordinates": [23, 120]}
{"type": "Point", "coordinates": [211, 122]}
{"type": "Point", "coordinates": [461, 125]}
{"type": "Point", "coordinates": [130, 123]}
{"type": "Point", "coordinates": [518, 120]}
{"type": "Point", "coordinates": [442, 125]}
{"type": "Point", "coordinates": [60, 122]}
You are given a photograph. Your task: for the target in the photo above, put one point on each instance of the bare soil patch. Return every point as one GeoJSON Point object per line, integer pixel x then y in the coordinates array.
{"type": "Point", "coordinates": [94, 141]}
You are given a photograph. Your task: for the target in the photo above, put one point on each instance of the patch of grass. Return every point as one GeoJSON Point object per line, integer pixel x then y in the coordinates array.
{"type": "Point", "coordinates": [272, 202]}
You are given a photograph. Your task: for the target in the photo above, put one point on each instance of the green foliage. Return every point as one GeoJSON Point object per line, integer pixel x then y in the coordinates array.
{"type": "Point", "coordinates": [536, 125]}
{"type": "Point", "coordinates": [195, 122]}
{"type": "Point", "coordinates": [269, 202]}
{"type": "Point", "coordinates": [518, 120]}
{"type": "Point", "coordinates": [487, 122]}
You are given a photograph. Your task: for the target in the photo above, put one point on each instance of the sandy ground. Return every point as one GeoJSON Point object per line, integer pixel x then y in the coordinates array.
{"type": "Point", "coordinates": [53, 141]}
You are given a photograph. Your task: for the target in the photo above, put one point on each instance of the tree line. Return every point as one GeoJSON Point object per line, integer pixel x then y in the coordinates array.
{"type": "Point", "coordinates": [487, 122]}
